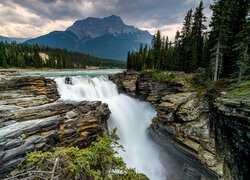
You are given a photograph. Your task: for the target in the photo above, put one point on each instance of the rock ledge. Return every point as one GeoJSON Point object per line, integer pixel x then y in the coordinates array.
{"type": "Point", "coordinates": [32, 118]}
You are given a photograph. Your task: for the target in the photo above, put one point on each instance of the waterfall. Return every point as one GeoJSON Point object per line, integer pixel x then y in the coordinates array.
{"type": "Point", "coordinates": [131, 117]}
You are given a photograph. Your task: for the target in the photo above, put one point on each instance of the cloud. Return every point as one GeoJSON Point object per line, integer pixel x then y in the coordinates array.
{"type": "Point", "coordinates": [26, 30]}
{"type": "Point", "coordinates": [167, 30]}
{"type": "Point", "coordinates": [31, 18]}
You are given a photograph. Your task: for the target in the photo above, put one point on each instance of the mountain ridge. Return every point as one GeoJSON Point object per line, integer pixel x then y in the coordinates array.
{"type": "Point", "coordinates": [107, 37]}
{"type": "Point", "coordinates": [12, 39]}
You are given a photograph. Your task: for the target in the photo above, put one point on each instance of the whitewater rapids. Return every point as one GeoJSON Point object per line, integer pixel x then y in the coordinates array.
{"type": "Point", "coordinates": [131, 117]}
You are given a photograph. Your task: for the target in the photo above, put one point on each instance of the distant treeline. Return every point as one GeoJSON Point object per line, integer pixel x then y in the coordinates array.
{"type": "Point", "coordinates": [222, 52]}
{"type": "Point", "coordinates": [24, 55]}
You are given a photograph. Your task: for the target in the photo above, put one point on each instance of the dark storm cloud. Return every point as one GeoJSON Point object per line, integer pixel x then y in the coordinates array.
{"type": "Point", "coordinates": [145, 14]}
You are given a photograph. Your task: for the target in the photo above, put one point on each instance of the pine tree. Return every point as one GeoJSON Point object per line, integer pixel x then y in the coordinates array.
{"type": "Point", "coordinates": [36, 58]}
{"type": "Point", "coordinates": [215, 39]}
{"type": "Point", "coordinates": [144, 56]}
{"type": "Point", "coordinates": [225, 49]}
{"type": "Point", "coordinates": [177, 52]}
{"type": "Point", "coordinates": [157, 50]}
{"type": "Point", "coordinates": [59, 64]}
{"type": "Point", "coordinates": [164, 51]}
{"type": "Point", "coordinates": [20, 60]}
{"type": "Point", "coordinates": [149, 59]}
{"type": "Point", "coordinates": [197, 38]}
{"type": "Point", "coordinates": [129, 61]}
{"type": "Point", "coordinates": [242, 48]}
{"type": "Point", "coordinates": [12, 57]}
{"type": "Point", "coordinates": [3, 60]}
{"type": "Point", "coordinates": [227, 22]}
{"type": "Point", "coordinates": [186, 42]}
{"type": "Point", "coordinates": [132, 60]}
{"type": "Point", "coordinates": [187, 24]}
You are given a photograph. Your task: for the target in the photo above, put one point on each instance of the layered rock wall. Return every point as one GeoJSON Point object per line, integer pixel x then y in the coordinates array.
{"type": "Point", "coordinates": [233, 136]}
{"type": "Point", "coordinates": [32, 118]}
{"type": "Point", "coordinates": [185, 124]}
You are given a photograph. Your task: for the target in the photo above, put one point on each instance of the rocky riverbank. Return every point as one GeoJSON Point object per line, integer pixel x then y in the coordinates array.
{"type": "Point", "coordinates": [185, 125]}
{"type": "Point", "coordinates": [33, 118]}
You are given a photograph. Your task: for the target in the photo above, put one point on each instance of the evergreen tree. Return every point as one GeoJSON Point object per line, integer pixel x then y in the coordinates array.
{"type": "Point", "coordinates": [197, 38]}
{"type": "Point", "coordinates": [225, 49]}
{"type": "Point", "coordinates": [144, 56]}
{"type": "Point", "coordinates": [157, 50]}
{"type": "Point", "coordinates": [185, 48]}
{"type": "Point", "coordinates": [59, 64]}
{"type": "Point", "coordinates": [129, 66]}
{"type": "Point", "coordinates": [164, 50]}
{"type": "Point", "coordinates": [22, 55]}
{"type": "Point", "coordinates": [12, 57]}
{"type": "Point", "coordinates": [177, 51]}
{"type": "Point", "coordinates": [36, 58]}
{"type": "Point", "coordinates": [20, 60]}
{"type": "Point", "coordinates": [242, 48]}
{"type": "Point", "coordinates": [227, 22]}
{"type": "Point", "coordinates": [3, 60]}
{"type": "Point", "coordinates": [149, 59]}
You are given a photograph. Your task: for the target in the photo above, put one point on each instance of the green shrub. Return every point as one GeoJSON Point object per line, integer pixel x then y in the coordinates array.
{"type": "Point", "coordinates": [201, 72]}
{"type": "Point", "coordinates": [162, 76]}
{"type": "Point", "coordinates": [98, 161]}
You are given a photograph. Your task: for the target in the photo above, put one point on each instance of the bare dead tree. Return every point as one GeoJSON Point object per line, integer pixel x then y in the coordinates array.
{"type": "Point", "coordinates": [217, 61]}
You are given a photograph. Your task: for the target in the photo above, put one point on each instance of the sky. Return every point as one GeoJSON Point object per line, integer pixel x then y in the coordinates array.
{"type": "Point", "coordinates": [32, 18]}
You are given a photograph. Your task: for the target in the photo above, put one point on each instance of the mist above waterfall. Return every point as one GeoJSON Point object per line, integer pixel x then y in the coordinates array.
{"type": "Point", "coordinates": [131, 117]}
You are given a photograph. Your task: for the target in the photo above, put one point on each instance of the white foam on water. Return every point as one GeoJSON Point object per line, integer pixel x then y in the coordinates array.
{"type": "Point", "coordinates": [131, 117]}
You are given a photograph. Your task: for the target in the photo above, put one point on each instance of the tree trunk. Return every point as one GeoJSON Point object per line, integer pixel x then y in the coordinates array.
{"type": "Point", "coordinates": [217, 61]}
{"type": "Point", "coordinates": [239, 77]}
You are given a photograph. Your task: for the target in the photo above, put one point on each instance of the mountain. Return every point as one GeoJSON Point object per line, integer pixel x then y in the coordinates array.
{"type": "Point", "coordinates": [11, 39]}
{"type": "Point", "coordinates": [106, 37]}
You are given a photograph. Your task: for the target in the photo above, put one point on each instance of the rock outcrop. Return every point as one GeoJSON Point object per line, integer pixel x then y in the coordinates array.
{"type": "Point", "coordinates": [233, 135]}
{"type": "Point", "coordinates": [182, 124]}
{"type": "Point", "coordinates": [126, 82]}
{"type": "Point", "coordinates": [32, 118]}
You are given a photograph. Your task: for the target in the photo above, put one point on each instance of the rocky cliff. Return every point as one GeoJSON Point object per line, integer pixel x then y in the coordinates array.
{"type": "Point", "coordinates": [32, 118]}
{"type": "Point", "coordinates": [185, 124]}
{"type": "Point", "coordinates": [233, 135]}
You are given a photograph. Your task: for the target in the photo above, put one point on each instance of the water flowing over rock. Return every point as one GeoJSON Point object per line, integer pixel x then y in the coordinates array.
{"type": "Point", "coordinates": [131, 118]}
{"type": "Point", "coordinates": [32, 118]}
{"type": "Point", "coordinates": [184, 125]}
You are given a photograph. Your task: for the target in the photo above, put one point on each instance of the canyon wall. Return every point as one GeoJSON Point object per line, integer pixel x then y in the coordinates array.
{"type": "Point", "coordinates": [33, 118]}
{"type": "Point", "coordinates": [192, 128]}
{"type": "Point", "coordinates": [232, 122]}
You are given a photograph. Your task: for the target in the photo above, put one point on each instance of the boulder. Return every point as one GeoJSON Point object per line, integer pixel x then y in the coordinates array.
{"type": "Point", "coordinates": [68, 80]}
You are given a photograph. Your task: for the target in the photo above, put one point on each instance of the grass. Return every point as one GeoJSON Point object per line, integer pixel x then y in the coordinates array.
{"type": "Point", "coordinates": [162, 76]}
{"type": "Point", "coordinates": [241, 90]}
